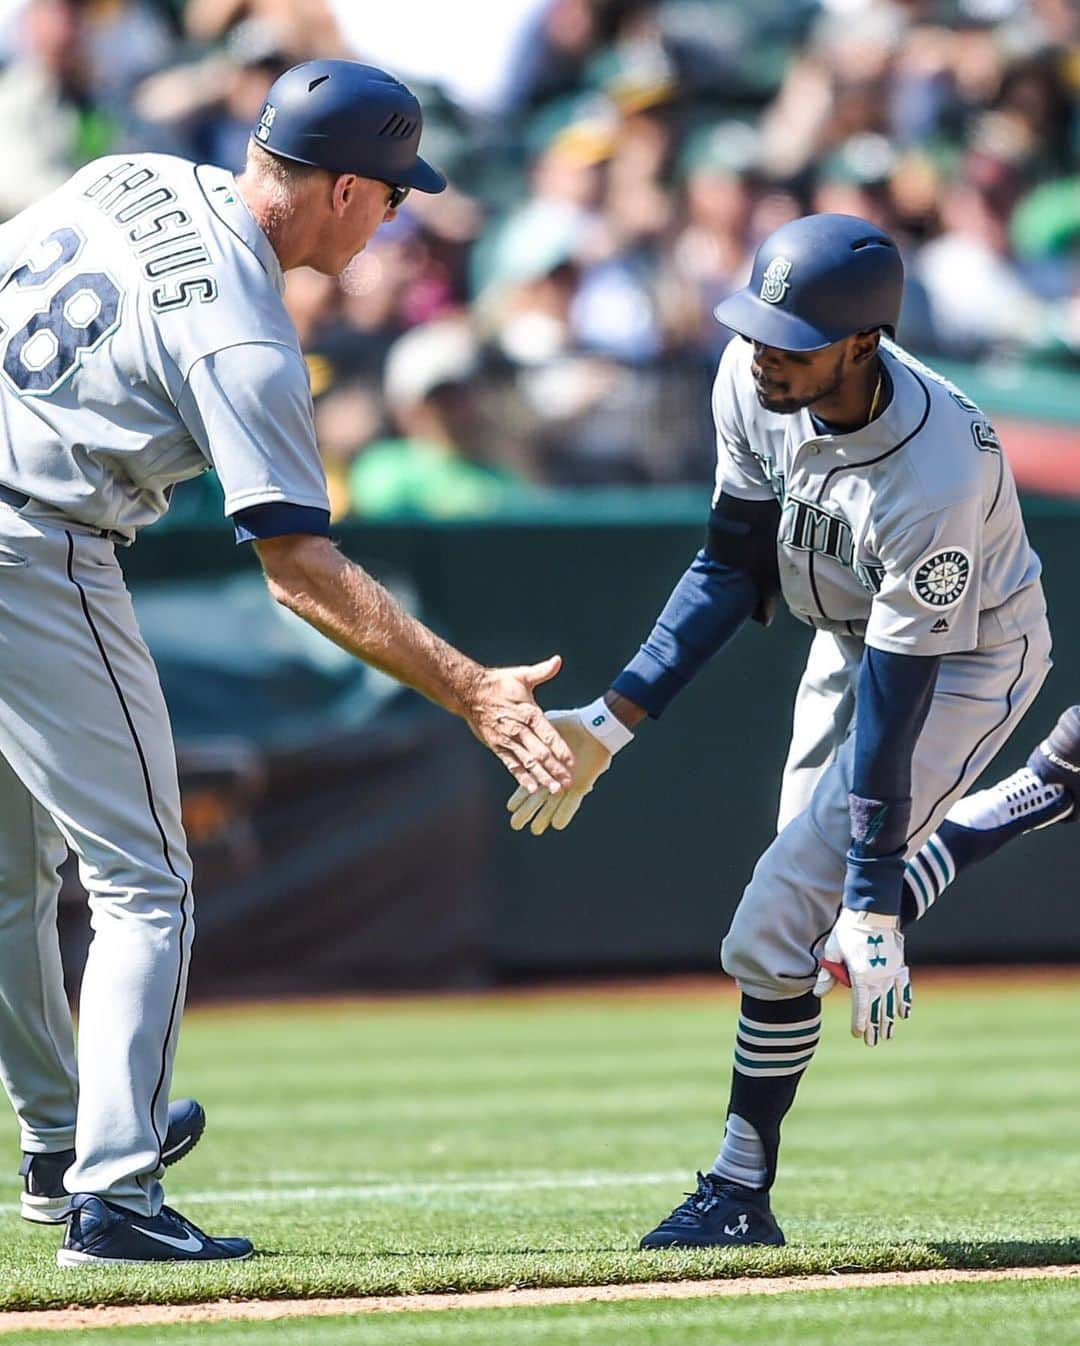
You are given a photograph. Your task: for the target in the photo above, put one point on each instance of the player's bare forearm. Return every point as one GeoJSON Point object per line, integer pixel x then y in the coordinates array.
{"type": "Point", "coordinates": [625, 710]}
{"type": "Point", "coordinates": [310, 577]}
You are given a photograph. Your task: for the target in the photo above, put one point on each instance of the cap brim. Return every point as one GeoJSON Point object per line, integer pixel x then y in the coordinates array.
{"type": "Point", "coordinates": [423, 177]}
{"type": "Point", "coordinates": [750, 316]}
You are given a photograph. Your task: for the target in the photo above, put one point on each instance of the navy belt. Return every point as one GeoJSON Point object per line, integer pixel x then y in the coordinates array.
{"type": "Point", "coordinates": [16, 499]}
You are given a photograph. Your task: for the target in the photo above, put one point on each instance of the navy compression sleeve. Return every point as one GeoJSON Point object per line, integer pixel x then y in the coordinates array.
{"type": "Point", "coordinates": [706, 608]}
{"type": "Point", "coordinates": [893, 699]}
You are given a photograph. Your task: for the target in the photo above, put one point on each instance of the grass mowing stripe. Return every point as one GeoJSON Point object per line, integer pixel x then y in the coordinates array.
{"type": "Point", "coordinates": [310, 1192]}
{"type": "Point", "coordinates": [469, 1117]}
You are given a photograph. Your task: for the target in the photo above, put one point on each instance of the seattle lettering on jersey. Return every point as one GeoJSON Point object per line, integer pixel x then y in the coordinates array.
{"type": "Point", "coordinates": [805, 526]}
{"type": "Point", "coordinates": [159, 234]}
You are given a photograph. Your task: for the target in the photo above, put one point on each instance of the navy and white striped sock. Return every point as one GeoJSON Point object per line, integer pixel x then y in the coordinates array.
{"type": "Point", "coordinates": [926, 876]}
{"type": "Point", "coordinates": [775, 1043]}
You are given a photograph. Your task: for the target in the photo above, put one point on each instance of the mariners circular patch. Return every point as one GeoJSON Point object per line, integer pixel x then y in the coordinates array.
{"type": "Point", "coordinates": [941, 579]}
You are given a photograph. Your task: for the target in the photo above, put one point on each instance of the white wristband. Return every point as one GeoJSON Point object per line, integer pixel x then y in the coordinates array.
{"type": "Point", "coordinates": [605, 726]}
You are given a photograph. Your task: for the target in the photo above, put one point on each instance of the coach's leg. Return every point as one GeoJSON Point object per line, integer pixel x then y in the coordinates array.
{"type": "Point", "coordinates": [37, 1049]}
{"type": "Point", "coordinates": [91, 742]}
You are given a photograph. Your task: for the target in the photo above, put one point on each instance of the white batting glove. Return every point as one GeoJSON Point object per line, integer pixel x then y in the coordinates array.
{"type": "Point", "coordinates": [866, 952]}
{"type": "Point", "coordinates": [594, 735]}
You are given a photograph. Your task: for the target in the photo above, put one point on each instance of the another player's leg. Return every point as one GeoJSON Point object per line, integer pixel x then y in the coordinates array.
{"type": "Point", "coordinates": [1044, 792]}
{"type": "Point", "coordinates": [775, 1043]}
{"type": "Point", "coordinates": [775, 926]}
{"type": "Point", "coordinates": [787, 907]}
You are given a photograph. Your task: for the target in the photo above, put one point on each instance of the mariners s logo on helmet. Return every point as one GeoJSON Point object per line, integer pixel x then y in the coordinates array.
{"type": "Point", "coordinates": [774, 284]}
{"type": "Point", "coordinates": [940, 580]}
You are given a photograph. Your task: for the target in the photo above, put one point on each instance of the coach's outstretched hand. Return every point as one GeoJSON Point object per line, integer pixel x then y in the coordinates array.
{"type": "Point", "coordinates": [866, 952]}
{"type": "Point", "coordinates": [504, 716]}
{"type": "Point", "coordinates": [594, 735]}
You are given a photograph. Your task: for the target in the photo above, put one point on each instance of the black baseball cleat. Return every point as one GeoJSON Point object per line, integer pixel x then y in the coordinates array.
{"type": "Point", "coordinates": [46, 1201]}
{"type": "Point", "coordinates": [1057, 759]}
{"type": "Point", "coordinates": [720, 1214]}
{"type": "Point", "coordinates": [100, 1233]}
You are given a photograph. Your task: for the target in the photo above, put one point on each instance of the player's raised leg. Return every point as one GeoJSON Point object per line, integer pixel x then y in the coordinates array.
{"type": "Point", "coordinates": [1044, 792]}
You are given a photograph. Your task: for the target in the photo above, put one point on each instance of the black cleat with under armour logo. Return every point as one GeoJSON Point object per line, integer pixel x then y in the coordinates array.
{"type": "Point", "coordinates": [720, 1214]}
{"type": "Point", "coordinates": [101, 1234]}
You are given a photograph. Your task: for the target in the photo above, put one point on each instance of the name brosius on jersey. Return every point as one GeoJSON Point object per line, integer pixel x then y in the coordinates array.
{"type": "Point", "coordinates": [906, 532]}
{"type": "Point", "coordinates": [143, 339]}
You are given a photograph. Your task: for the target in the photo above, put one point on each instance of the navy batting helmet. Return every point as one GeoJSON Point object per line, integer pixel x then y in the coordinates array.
{"type": "Point", "coordinates": [347, 118]}
{"type": "Point", "coordinates": [817, 280]}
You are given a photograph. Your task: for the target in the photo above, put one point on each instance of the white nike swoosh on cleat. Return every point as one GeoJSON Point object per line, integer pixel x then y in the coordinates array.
{"type": "Point", "coordinates": [176, 1149]}
{"type": "Point", "coordinates": [188, 1244]}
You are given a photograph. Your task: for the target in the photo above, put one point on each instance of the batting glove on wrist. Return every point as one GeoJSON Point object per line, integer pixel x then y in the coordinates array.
{"type": "Point", "coordinates": [594, 735]}
{"type": "Point", "coordinates": [866, 952]}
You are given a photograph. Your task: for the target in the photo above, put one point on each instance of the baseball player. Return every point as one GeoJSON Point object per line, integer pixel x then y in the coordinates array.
{"type": "Point", "coordinates": [874, 496]}
{"type": "Point", "coordinates": [143, 338]}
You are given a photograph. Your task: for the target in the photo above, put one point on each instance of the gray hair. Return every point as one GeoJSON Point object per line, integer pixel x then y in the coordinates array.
{"type": "Point", "coordinates": [286, 176]}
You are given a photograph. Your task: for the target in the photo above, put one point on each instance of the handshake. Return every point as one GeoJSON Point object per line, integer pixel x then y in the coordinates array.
{"type": "Point", "coordinates": [594, 734]}
{"type": "Point", "coordinates": [863, 951]}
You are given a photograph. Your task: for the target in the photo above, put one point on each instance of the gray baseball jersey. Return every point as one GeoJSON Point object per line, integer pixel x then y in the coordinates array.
{"type": "Point", "coordinates": [145, 340]}
{"type": "Point", "coordinates": [905, 535]}
{"type": "Point", "coordinates": [142, 339]}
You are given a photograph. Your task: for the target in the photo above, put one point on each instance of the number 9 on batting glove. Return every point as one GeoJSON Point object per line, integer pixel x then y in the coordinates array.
{"type": "Point", "coordinates": [869, 949]}
{"type": "Point", "coordinates": [594, 735]}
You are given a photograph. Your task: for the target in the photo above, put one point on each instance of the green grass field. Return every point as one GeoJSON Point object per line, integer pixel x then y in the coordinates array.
{"type": "Point", "coordinates": [1038, 1312]}
{"type": "Point", "coordinates": [455, 1145]}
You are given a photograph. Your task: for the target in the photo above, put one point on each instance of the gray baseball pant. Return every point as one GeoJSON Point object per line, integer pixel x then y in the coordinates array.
{"type": "Point", "coordinates": [792, 900]}
{"type": "Point", "coordinates": [87, 763]}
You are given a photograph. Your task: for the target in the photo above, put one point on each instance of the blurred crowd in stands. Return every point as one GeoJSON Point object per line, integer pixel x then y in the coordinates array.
{"type": "Point", "coordinates": [548, 320]}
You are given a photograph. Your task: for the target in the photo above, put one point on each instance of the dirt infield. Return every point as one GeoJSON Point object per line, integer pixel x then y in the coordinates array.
{"type": "Point", "coordinates": [264, 1310]}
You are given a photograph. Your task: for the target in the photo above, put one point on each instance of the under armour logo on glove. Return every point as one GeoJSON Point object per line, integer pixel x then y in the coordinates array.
{"type": "Point", "coordinates": [875, 941]}
{"type": "Point", "coordinates": [866, 952]}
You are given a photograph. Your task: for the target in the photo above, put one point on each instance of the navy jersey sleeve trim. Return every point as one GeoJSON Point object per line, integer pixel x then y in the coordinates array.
{"type": "Point", "coordinates": [258, 522]}
{"type": "Point", "coordinates": [707, 606]}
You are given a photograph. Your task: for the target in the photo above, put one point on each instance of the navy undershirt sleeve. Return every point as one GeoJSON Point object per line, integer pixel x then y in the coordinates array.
{"type": "Point", "coordinates": [707, 606]}
{"type": "Point", "coordinates": [279, 519]}
{"type": "Point", "coordinates": [892, 702]}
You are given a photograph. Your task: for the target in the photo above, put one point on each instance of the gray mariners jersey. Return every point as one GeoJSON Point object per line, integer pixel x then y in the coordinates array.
{"type": "Point", "coordinates": [143, 339]}
{"type": "Point", "coordinates": [906, 532]}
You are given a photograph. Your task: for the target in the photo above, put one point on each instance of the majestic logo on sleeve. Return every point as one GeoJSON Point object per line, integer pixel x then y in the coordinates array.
{"type": "Point", "coordinates": [940, 580]}
{"type": "Point", "coordinates": [774, 284]}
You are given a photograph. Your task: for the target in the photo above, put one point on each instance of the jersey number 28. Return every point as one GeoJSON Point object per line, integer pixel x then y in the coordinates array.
{"type": "Point", "coordinates": [82, 311]}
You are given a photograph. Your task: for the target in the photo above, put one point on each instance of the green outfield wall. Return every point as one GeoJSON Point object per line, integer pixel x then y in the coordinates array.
{"type": "Point", "coordinates": [651, 869]}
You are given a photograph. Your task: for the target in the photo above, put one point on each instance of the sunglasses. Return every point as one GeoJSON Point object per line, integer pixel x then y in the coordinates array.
{"type": "Point", "coordinates": [397, 195]}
